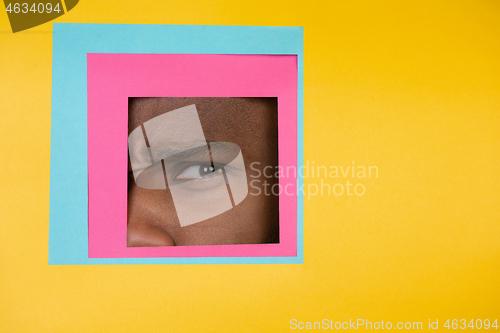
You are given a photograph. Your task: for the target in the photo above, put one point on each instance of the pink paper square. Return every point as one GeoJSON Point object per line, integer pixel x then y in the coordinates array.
{"type": "Point", "coordinates": [113, 78]}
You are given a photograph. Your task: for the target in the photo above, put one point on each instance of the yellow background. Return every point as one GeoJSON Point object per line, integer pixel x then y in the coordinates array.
{"type": "Point", "coordinates": [411, 87]}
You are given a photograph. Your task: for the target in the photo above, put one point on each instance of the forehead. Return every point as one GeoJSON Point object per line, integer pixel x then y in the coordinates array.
{"type": "Point", "coordinates": [212, 109]}
{"type": "Point", "coordinates": [249, 122]}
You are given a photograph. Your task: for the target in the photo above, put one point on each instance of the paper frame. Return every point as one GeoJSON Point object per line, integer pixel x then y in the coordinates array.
{"type": "Point", "coordinates": [68, 230]}
{"type": "Point", "coordinates": [113, 78]}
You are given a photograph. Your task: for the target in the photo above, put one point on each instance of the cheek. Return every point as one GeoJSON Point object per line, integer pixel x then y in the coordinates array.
{"type": "Point", "coordinates": [247, 223]}
{"type": "Point", "coordinates": [250, 222]}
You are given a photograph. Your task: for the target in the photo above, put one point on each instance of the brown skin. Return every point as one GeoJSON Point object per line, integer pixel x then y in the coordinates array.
{"type": "Point", "coordinates": [251, 123]}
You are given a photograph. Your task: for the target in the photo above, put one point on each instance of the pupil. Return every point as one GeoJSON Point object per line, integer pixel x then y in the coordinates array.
{"type": "Point", "coordinates": [205, 170]}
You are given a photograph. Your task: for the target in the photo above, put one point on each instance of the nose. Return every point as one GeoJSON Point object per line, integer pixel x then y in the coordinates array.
{"type": "Point", "coordinates": [142, 234]}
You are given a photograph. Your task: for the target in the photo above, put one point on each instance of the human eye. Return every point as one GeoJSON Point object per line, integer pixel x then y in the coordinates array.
{"type": "Point", "coordinates": [197, 168]}
{"type": "Point", "coordinates": [199, 171]}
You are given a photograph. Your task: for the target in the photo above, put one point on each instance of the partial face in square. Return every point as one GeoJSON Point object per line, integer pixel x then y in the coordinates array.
{"type": "Point", "coordinates": [188, 162]}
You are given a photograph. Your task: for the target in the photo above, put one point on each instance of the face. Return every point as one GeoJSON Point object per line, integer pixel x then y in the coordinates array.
{"type": "Point", "coordinates": [250, 123]}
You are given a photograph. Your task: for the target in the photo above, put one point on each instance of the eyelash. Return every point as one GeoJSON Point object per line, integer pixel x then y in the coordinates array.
{"type": "Point", "coordinates": [207, 168]}
{"type": "Point", "coordinates": [182, 167]}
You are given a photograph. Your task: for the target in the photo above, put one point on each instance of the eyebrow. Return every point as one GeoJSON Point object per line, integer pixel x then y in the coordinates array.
{"type": "Point", "coordinates": [218, 152]}
{"type": "Point", "coordinates": [176, 153]}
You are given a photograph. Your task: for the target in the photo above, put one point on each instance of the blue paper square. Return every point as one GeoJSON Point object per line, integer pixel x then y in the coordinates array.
{"type": "Point", "coordinates": [68, 228]}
